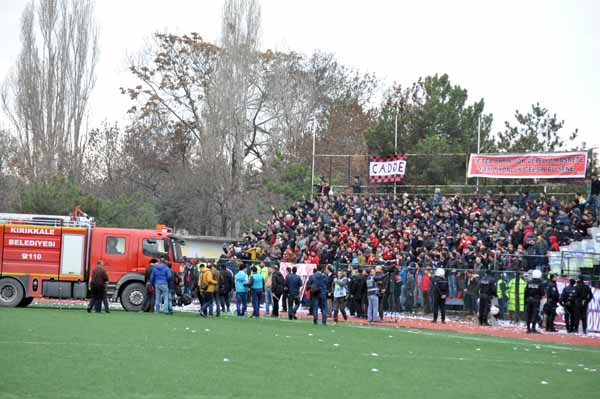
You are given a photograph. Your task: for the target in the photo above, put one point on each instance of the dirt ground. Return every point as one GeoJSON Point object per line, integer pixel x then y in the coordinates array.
{"type": "Point", "coordinates": [469, 327]}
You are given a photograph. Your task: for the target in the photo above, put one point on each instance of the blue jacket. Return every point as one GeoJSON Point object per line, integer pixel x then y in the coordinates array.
{"type": "Point", "coordinates": [240, 278]}
{"type": "Point", "coordinates": [161, 274]}
{"type": "Point", "coordinates": [293, 283]}
{"type": "Point", "coordinates": [257, 281]}
{"type": "Point", "coordinates": [320, 279]}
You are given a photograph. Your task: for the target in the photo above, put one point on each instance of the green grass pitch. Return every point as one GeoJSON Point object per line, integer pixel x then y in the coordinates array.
{"type": "Point", "coordinates": [53, 353]}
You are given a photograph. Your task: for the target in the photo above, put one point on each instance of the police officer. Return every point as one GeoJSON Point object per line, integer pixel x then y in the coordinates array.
{"type": "Point", "coordinates": [552, 298]}
{"type": "Point", "coordinates": [487, 290]}
{"type": "Point", "coordinates": [534, 291]}
{"type": "Point", "coordinates": [439, 286]}
{"type": "Point", "coordinates": [583, 297]}
{"type": "Point", "coordinates": [568, 301]}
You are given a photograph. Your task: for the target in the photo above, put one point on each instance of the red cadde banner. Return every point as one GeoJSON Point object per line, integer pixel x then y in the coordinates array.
{"type": "Point", "coordinates": [561, 165]}
{"type": "Point", "coordinates": [387, 169]}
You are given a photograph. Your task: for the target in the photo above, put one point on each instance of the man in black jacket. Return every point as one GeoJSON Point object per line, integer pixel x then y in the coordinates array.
{"type": "Point", "coordinates": [361, 294]}
{"type": "Point", "coordinates": [568, 300]}
{"type": "Point", "coordinates": [190, 278]}
{"type": "Point", "coordinates": [226, 287]}
{"type": "Point", "coordinates": [439, 288]}
{"type": "Point", "coordinates": [487, 290]}
{"type": "Point", "coordinates": [284, 296]}
{"type": "Point", "coordinates": [583, 295]}
{"type": "Point", "coordinates": [353, 299]}
{"type": "Point", "coordinates": [293, 283]}
{"type": "Point", "coordinates": [552, 299]}
{"type": "Point", "coordinates": [534, 291]}
{"type": "Point", "coordinates": [149, 299]}
{"type": "Point", "coordinates": [277, 284]}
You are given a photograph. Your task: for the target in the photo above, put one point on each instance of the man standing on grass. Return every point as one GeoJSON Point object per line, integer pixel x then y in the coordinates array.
{"type": "Point", "coordinates": [149, 299]}
{"type": "Point", "coordinates": [293, 283]}
{"type": "Point", "coordinates": [340, 290]}
{"type": "Point", "coordinates": [241, 291]}
{"type": "Point", "coordinates": [257, 286]}
{"type": "Point", "coordinates": [216, 296]}
{"type": "Point", "coordinates": [373, 298]}
{"type": "Point", "coordinates": [207, 287]}
{"type": "Point", "coordinates": [277, 284]}
{"type": "Point", "coordinates": [318, 294]}
{"type": "Point", "coordinates": [98, 287]}
{"type": "Point", "coordinates": [159, 280]}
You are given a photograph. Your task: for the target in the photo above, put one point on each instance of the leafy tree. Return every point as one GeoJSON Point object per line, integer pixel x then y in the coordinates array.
{"type": "Point", "coordinates": [60, 196]}
{"type": "Point", "coordinates": [289, 178]}
{"type": "Point", "coordinates": [433, 117]}
{"type": "Point", "coordinates": [538, 130]}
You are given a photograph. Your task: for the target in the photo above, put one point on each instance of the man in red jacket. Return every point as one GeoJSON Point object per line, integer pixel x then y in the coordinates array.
{"type": "Point", "coordinates": [98, 287]}
{"type": "Point", "coordinates": [425, 286]}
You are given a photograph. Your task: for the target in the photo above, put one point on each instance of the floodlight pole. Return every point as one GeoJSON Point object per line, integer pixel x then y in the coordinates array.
{"type": "Point", "coordinates": [312, 173]}
{"type": "Point", "coordinates": [478, 145]}
{"type": "Point", "coordinates": [395, 144]}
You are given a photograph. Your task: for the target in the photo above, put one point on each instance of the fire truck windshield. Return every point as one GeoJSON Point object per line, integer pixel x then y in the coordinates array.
{"type": "Point", "coordinates": [177, 251]}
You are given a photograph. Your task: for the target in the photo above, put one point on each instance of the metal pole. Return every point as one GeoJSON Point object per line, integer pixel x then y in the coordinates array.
{"type": "Point", "coordinates": [395, 143]}
{"type": "Point", "coordinates": [478, 145]}
{"type": "Point", "coordinates": [312, 172]}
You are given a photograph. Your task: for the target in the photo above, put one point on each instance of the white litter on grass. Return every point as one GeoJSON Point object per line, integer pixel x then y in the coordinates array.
{"type": "Point", "coordinates": [310, 334]}
{"type": "Point", "coordinates": [320, 340]}
{"type": "Point", "coordinates": [593, 370]}
{"type": "Point", "coordinates": [287, 336]}
{"type": "Point", "coordinates": [389, 336]}
{"type": "Point", "coordinates": [375, 370]}
{"type": "Point", "coordinates": [374, 354]}
{"type": "Point", "coordinates": [478, 349]}
{"type": "Point", "coordinates": [514, 348]}
{"type": "Point", "coordinates": [569, 370]}
{"type": "Point", "coordinates": [187, 328]}
{"type": "Point", "coordinates": [554, 353]}
{"type": "Point", "coordinates": [226, 360]}
{"type": "Point", "coordinates": [544, 382]}
{"type": "Point", "coordinates": [193, 331]}
{"type": "Point", "coordinates": [526, 350]}
{"type": "Point", "coordinates": [580, 365]}
{"type": "Point", "coordinates": [586, 369]}
{"type": "Point", "coordinates": [461, 358]}
{"type": "Point", "coordinates": [207, 329]}
{"type": "Point", "coordinates": [336, 344]}
{"type": "Point", "coordinates": [538, 347]}
{"type": "Point", "coordinates": [277, 335]}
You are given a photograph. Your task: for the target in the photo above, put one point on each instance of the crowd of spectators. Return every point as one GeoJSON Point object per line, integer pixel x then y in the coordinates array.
{"type": "Point", "coordinates": [508, 232]}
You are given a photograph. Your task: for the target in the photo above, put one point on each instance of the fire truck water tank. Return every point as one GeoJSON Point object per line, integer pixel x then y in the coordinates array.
{"type": "Point", "coordinates": [56, 289]}
{"type": "Point", "coordinates": [79, 290]}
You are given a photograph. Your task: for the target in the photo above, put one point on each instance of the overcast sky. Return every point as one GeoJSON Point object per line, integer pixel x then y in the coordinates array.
{"type": "Point", "coordinates": [511, 53]}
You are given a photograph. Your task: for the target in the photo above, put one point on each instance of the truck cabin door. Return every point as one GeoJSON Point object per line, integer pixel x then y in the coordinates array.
{"type": "Point", "coordinates": [115, 255]}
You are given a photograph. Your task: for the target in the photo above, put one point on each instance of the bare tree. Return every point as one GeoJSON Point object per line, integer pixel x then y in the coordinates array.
{"type": "Point", "coordinates": [46, 96]}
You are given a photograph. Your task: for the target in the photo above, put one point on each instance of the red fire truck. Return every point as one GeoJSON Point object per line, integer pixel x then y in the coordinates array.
{"type": "Point", "coordinates": [53, 257]}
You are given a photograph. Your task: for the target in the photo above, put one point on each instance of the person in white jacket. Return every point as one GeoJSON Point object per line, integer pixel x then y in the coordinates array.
{"type": "Point", "coordinates": [340, 291]}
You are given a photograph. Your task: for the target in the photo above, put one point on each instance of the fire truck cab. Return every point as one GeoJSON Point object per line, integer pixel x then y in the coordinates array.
{"type": "Point", "coordinates": [53, 257]}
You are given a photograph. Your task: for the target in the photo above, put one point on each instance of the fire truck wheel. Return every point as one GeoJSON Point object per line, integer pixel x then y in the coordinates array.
{"type": "Point", "coordinates": [11, 292]}
{"type": "Point", "coordinates": [25, 302]}
{"type": "Point", "coordinates": [132, 297]}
